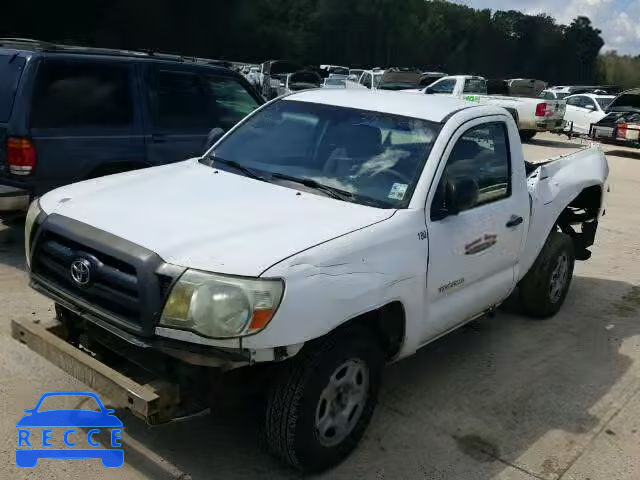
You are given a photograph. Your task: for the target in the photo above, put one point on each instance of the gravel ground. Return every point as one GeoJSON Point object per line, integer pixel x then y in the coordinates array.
{"type": "Point", "coordinates": [505, 398]}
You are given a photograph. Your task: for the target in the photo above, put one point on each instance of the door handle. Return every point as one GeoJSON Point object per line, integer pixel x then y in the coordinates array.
{"type": "Point", "coordinates": [514, 221]}
{"type": "Point", "coordinates": [156, 138]}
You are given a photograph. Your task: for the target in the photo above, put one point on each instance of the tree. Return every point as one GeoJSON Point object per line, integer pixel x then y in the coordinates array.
{"type": "Point", "coordinates": [432, 35]}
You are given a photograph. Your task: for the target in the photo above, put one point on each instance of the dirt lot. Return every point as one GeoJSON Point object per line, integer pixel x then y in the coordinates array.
{"type": "Point", "coordinates": [505, 398]}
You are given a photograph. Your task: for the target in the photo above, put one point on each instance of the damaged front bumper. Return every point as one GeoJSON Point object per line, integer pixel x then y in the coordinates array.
{"type": "Point", "coordinates": [156, 379]}
{"type": "Point", "coordinates": [154, 401]}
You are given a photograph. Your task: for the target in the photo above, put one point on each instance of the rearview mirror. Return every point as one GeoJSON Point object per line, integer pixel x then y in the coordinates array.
{"type": "Point", "coordinates": [214, 135]}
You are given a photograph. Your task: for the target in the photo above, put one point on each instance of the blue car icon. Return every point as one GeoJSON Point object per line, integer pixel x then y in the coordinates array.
{"type": "Point", "coordinates": [28, 457]}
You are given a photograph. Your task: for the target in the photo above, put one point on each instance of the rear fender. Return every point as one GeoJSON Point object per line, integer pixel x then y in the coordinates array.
{"type": "Point", "coordinates": [566, 192]}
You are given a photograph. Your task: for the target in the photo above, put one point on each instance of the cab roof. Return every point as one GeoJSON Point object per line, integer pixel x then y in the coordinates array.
{"type": "Point", "coordinates": [432, 108]}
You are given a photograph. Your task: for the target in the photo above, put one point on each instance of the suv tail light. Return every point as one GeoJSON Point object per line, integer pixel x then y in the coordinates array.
{"type": "Point", "coordinates": [21, 156]}
{"type": "Point", "coordinates": [541, 110]}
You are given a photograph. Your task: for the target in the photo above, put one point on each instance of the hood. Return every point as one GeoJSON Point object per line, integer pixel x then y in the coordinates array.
{"type": "Point", "coordinates": [196, 216]}
{"type": "Point", "coordinates": [612, 118]}
{"type": "Point", "coordinates": [628, 101]}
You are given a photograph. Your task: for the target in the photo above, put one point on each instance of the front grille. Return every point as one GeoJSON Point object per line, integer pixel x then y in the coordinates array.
{"type": "Point", "coordinates": [128, 283]}
{"type": "Point", "coordinates": [113, 285]}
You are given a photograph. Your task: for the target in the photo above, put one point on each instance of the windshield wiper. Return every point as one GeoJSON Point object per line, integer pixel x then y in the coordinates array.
{"type": "Point", "coordinates": [238, 166]}
{"type": "Point", "coordinates": [309, 182]}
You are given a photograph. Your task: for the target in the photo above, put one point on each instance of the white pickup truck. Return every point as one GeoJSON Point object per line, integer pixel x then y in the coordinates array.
{"type": "Point", "coordinates": [532, 115]}
{"type": "Point", "coordinates": [328, 233]}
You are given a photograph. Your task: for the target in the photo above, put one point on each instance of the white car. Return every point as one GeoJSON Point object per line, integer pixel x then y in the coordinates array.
{"type": "Point", "coordinates": [584, 110]}
{"type": "Point", "coordinates": [328, 233]}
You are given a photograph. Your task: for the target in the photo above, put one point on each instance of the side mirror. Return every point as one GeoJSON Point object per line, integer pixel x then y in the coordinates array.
{"type": "Point", "coordinates": [214, 135]}
{"type": "Point", "coordinates": [455, 196]}
{"type": "Point", "coordinates": [461, 194]}
{"type": "Point", "coordinates": [429, 91]}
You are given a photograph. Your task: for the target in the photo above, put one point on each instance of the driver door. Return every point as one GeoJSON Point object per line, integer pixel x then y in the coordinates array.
{"type": "Point", "coordinates": [473, 256]}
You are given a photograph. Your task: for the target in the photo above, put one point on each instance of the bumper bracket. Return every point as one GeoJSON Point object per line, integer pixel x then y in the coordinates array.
{"type": "Point", "coordinates": [154, 401]}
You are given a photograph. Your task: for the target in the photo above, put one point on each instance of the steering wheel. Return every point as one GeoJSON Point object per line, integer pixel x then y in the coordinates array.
{"type": "Point", "coordinates": [393, 173]}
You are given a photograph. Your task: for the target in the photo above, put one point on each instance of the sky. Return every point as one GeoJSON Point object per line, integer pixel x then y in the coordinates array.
{"type": "Point", "coordinates": [619, 20]}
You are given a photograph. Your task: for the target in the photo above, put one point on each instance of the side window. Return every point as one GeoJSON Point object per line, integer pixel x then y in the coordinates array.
{"type": "Point", "coordinates": [482, 155]}
{"type": "Point", "coordinates": [588, 103]}
{"type": "Point", "coordinates": [10, 72]}
{"type": "Point", "coordinates": [574, 101]}
{"type": "Point", "coordinates": [78, 94]}
{"type": "Point", "coordinates": [178, 101]}
{"type": "Point", "coordinates": [579, 102]}
{"type": "Point", "coordinates": [231, 100]}
{"type": "Point", "coordinates": [443, 86]}
{"type": "Point", "coordinates": [475, 85]}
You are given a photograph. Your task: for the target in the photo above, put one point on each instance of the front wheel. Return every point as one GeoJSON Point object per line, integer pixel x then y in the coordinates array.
{"type": "Point", "coordinates": [321, 404]}
{"type": "Point", "coordinates": [545, 286]}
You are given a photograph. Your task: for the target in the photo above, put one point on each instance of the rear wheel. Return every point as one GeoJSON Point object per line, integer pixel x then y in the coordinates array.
{"type": "Point", "coordinates": [544, 288]}
{"type": "Point", "coordinates": [322, 403]}
{"type": "Point", "coordinates": [527, 135]}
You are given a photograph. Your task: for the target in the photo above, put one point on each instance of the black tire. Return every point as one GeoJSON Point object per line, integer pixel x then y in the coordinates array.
{"type": "Point", "coordinates": [527, 135]}
{"type": "Point", "coordinates": [538, 297]}
{"type": "Point", "coordinates": [295, 399]}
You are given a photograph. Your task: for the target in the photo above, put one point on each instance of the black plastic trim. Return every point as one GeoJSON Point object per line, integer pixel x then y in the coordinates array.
{"type": "Point", "coordinates": [148, 265]}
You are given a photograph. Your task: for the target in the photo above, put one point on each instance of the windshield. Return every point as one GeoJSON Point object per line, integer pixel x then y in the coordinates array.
{"type": "Point", "coordinates": [604, 102]}
{"type": "Point", "coordinates": [376, 157]}
{"type": "Point", "coordinates": [335, 81]}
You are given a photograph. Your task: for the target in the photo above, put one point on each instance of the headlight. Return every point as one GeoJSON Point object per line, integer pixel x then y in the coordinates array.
{"type": "Point", "coordinates": [32, 214]}
{"type": "Point", "coordinates": [220, 306]}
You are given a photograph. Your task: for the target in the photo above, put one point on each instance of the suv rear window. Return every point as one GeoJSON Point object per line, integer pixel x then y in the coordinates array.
{"type": "Point", "coordinates": [10, 71]}
{"type": "Point", "coordinates": [78, 94]}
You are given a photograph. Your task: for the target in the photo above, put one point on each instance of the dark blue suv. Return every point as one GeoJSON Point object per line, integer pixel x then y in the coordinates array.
{"type": "Point", "coordinates": [72, 113]}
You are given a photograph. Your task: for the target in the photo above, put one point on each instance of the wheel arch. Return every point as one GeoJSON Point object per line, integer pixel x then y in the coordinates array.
{"type": "Point", "coordinates": [387, 322]}
{"type": "Point", "coordinates": [579, 219]}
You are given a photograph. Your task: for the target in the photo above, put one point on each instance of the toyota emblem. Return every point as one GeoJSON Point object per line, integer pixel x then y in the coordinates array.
{"type": "Point", "coordinates": [81, 271]}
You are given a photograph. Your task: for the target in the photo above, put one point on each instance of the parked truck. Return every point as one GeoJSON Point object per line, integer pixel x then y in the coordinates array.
{"type": "Point", "coordinates": [532, 115]}
{"type": "Point", "coordinates": [325, 235]}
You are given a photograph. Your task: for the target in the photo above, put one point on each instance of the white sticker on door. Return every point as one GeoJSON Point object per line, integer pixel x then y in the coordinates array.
{"type": "Point", "coordinates": [397, 191]}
